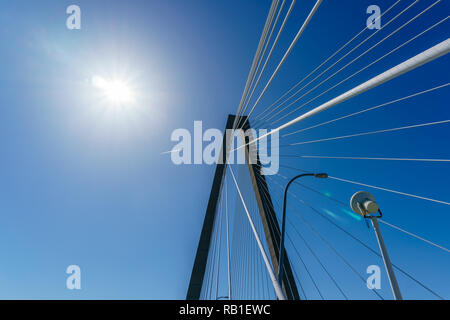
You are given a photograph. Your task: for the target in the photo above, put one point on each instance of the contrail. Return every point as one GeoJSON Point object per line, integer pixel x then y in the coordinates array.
{"type": "Point", "coordinates": [171, 151]}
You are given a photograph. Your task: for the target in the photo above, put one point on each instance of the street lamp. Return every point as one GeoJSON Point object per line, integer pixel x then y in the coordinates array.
{"type": "Point", "coordinates": [364, 204]}
{"type": "Point", "coordinates": [283, 221]}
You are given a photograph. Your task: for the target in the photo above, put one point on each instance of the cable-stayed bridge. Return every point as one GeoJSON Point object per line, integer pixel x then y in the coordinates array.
{"type": "Point", "coordinates": [329, 251]}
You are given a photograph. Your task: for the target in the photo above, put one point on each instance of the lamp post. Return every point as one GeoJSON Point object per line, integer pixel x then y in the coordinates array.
{"type": "Point", "coordinates": [364, 204]}
{"type": "Point", "coordinates": [283, 221]}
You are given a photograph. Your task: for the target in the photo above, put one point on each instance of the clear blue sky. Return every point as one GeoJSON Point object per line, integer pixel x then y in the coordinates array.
{"type": "Point", "coordinates": [83, 184]}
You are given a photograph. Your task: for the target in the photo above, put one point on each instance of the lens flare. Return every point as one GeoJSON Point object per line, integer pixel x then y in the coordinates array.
{"type": "Point", "coordinates": [352, 214]}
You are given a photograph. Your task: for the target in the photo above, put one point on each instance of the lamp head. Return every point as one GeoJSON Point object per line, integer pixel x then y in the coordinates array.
{"type": "Point", "coordinates": [363, 203]}
{"type": "Point", "coordinates": [321, 175]}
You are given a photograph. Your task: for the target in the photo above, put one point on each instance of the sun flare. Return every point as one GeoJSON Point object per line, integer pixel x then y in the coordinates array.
{"type": "Point", "coordinates": [116, 91]}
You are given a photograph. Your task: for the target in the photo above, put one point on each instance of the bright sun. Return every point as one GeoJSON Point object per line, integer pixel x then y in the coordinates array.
{"type": "Point", "coordinates": [116, 91]}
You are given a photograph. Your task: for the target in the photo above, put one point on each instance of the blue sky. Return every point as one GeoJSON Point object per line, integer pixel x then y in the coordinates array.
{"type": "Point", "coordinates": [82, 183]}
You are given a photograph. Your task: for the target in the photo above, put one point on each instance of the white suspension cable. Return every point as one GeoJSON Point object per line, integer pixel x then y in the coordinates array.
{"type": "Point", "coordinates": [371, 158]}
{"type": "Point", "coordinates": [368, 109]}
{"type": "Point", "coordinates": [345, 55]}
{"type": "Point", "coordinates": [389, 190]}
{"type": "Point", "coordinates": [288, 51]}
{"type": "Point", "coordinates": [317, 234]}
{"type": "Point", "coordinates": [352, 236]}
{"type": "Point", "coordinates": [413, 235]}
{"type": "Point", "coordinates": [371, 132]}
{"type": "Point", "coordinates": [271, 49]}
{"type": "Point", "coordinates": [361, 70]}
{"type": "Point", "coordinates": [275, 283]}
{"type": "Point", "coordinates": [255, 59]}
{"type": "Point", "coordinates": [355, 238]}
{"type": "Point", "coordinates": [422, 58]}
{"type": "Point", "coordinates": [252, 83]}
{"type": "Point", "coordinates": [219, 249]}
{"type": "Point", "coordinates": [318, 67]}
{"type": "Point", "coordinates": [228, 239]}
